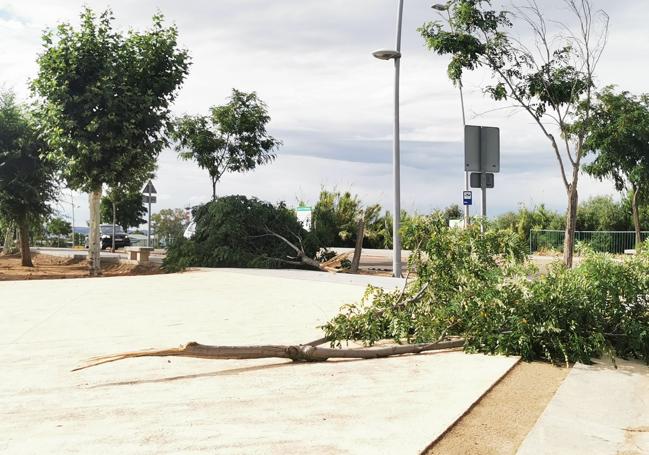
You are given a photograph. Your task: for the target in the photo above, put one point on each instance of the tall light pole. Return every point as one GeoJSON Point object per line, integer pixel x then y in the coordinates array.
{"type": "Point", "coordinates": [388, 54]}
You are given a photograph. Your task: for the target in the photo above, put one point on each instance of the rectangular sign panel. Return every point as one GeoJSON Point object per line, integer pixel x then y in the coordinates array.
{"type": "Point", "coordinates": [489, 149]}
{"type": "Point", "coordinates": [467, 197]}
{"type": "Point", "coordinates": [472, 148]}
{"type": "Point", "coordinates": [475, 180]}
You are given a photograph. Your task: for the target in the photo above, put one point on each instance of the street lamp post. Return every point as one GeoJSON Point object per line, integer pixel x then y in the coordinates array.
{"type": "Point", "coordinates": [387, 54]}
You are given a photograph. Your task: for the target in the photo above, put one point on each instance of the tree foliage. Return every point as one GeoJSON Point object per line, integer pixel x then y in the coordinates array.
{"type": "Point", "coordinates": [477, 286]}
{"type": "Point", "coordinates": [27, 176]}
{"type": "Point", "coordinates": [169, 225]}
{"type": "Point", "coordinates": [233, 138]}
{"type": "Point", "coordinates": [129, 208]}
{"type": "Point", "coordinates": [619, 140]}
{"type": "Point", "coordinates": [236, 231]}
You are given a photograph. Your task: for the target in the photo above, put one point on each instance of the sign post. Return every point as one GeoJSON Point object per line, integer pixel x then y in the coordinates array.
{"type": "Point", "coordinates": [482, 155]}
{"type": "Point", "coordinates": [149, 191]}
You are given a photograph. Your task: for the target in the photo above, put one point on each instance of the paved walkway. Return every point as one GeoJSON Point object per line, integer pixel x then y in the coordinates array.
{"type": "Point", "coordinates": [190, 406]}
{"type": "Point", "coordinates": [598, 410]}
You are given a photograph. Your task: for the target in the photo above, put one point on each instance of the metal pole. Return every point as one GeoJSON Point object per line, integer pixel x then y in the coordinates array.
{"type": "Point", "coordinates": [466, 173]}
{"type": "Point", "coordinates": [148, 231]}
{"type": "Point", "coordinates": [483, 208]}
{"type": "Point", "coordinates": [396, 239]}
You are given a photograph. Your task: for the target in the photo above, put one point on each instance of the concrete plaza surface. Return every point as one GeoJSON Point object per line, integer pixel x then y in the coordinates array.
{"type": "Point", "coordinates": [174, 405]}
{"type": "Point", "coordinates": [598, 410]}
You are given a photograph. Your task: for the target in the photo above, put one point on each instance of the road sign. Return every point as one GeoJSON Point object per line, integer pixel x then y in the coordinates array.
{"type": "Point", "coordinates": [481, 149]}
{"type": "Point", "coordinates": [153, 199]}
{"type": "Point", "coordinates": [149, 188]}
{"type": "Point", "coordinates": [475, 180]}
{"type": "Point", "coordinates": [467, 196]}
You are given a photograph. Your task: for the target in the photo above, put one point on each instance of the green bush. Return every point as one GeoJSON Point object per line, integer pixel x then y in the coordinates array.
{"type": "Point", "coordinates": [477, 286]}
{"type": "Point", "coordinates": [234, 231]}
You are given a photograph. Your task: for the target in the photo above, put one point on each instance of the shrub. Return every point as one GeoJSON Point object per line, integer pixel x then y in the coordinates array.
{"type": "Point", "coordinates": [476, 286]}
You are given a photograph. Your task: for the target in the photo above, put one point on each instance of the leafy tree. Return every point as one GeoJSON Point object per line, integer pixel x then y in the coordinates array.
{"type": "Point", "coordinates": [106, 97]}
{"type": "Point", "coordinates": [235, 231]}
{"type": "Point", "coordinates": [551, 80]}
{"type": "Point", "coordinates": [59, 227]}
{"type": "Point", "coordinates": [169, 225]}
{"type": "Point", "coordinates": [233, 138]}
{"type": "Point", "coordinates": [620, 141]}
{"type": "Point", "coordinates": [602, 213]}
{"type": "Point", "coordinates": [27, 177]}
{"type": "Point", "coordinates": [129, 208]}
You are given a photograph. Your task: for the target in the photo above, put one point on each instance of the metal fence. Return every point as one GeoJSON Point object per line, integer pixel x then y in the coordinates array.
{"type": "Point", "coordinates": [603, 241]}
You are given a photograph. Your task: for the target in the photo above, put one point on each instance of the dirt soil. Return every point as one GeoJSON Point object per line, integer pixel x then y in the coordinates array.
{"type": "Point", "coordinates": [501, 420]}
{"type": "Point", "coordinates": [54, 267]}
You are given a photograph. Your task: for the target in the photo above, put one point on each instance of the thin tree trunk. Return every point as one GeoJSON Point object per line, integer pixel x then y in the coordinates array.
{"type": "Point", "coordinates": [636, 218]}
{"type": "Point", "coordinates": [94, 241]}
{"type": "Point", "coordinates": [114, 221]}
{"type": "Point", "coordinates": [300, 352]}
{"type": "Point", "coordinates": [10, 243]}
{"type": "Point", "coordinates": [213, 189]}
{"type": "Point", "coordinates": [360, 234]}
{"type": "Point", "coordinates": [25, 253]}
{"type": "Point", "coordinates": [571, 224]}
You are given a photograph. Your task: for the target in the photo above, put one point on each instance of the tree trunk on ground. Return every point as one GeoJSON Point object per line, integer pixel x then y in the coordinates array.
{"type": "Point", "coordinates": [360, 234]}
{"type": "Point", "coordinates": [10, 242]}
{"type": "Point", "coordinates": [300, 353]}
{"type": "Point", "coordinates": [94, 240]}
{"type": "Point", "coordinates": [636, 218]}
{"type": "Point", "coordinates": [25, 252]}
{"type": "Point", "coordinates": [571, 224]}
{"type": "Point", "coordinates": [114, 221]}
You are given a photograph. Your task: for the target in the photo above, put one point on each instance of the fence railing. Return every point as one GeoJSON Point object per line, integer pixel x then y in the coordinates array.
{"type": "Point", "coordinates": [603, 241]}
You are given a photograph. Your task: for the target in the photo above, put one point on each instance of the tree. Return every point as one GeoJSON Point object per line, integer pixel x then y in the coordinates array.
{"type": "Point", "coordinates": [169, 225]}
{"type": "Point", "coordinates": [106, 97]}
{"type": "Point", "coordinates": [552, 80]}
{"type": "Point", "coordinates": [27, 177]}
{"type": "Point", "coordinates": [233, 138]}
{"type": "Point", "coordinates": [620, 141]}
{"type": "Point", "coordinates": [60, 228]}
{"type": "Point", "coordinates": [129, 208]}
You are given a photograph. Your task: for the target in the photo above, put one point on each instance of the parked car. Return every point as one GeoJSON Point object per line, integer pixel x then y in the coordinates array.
{"type": "Point", "coordinates": [121, 238]}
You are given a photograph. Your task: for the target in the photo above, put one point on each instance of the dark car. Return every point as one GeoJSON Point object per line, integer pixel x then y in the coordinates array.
{"type": "Point", "coordinates": [121, 238]}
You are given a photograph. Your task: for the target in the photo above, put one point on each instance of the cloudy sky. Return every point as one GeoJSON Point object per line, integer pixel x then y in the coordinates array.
{"type": "Point", "coordinates": [331, 101]}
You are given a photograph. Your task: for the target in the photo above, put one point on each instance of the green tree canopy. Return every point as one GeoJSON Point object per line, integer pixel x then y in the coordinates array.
{"type": "Point", "coordinates": [169, 225]}
{"type": "Point", "coordinates": [27, 177]}
{"type": "Point", "coordinates": [129, 208]}
{"type": "Point", "coordinates": [619, 140]}
{"type": "Point", "coordinates": [233, 138]}
{"type": "Point", "coordinates": [106, 97]}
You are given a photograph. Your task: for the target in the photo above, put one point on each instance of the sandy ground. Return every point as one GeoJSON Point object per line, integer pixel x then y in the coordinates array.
{"type": "Point", "coordinates": [52, 267]}
{"type": "Point", "coordinates": [501, 420]}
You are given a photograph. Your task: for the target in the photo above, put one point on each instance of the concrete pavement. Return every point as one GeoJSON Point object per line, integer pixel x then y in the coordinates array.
{"type": "Point", "coordinates": [160, 406]}
{"type": "Point", "coordinates": [598, 410]}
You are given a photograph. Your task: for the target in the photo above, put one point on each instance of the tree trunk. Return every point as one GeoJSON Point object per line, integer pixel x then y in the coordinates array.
{"type": "Point", "coordinates": [298, 353]}
{"type": "Point", "coordinates": [94, 240]}
{"type": "Point", "coordinates": [571, 224]}
{"type": "Point", "coordinates": [214, 189]}
{"type": "Point", "coordinates": [25, 253]}
{"type": "Point", "coordinates": [114, 221]}
{"type": "Point", "coordinates": [360, 234]}
{"type": "Point", "coordinates": [636, 218]}
{"type": "Point", "coordinates": [10, 243]}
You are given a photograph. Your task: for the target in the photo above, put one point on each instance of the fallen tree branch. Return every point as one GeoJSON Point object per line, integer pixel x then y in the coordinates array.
{"type": "Point", "coordinates": [298, 353]}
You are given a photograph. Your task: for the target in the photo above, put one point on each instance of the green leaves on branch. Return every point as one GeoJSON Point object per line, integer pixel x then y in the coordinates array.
{"type": "Point", "coordinates": [106, 97]}
{"type": "Point", "coordinates": [478, 287]}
